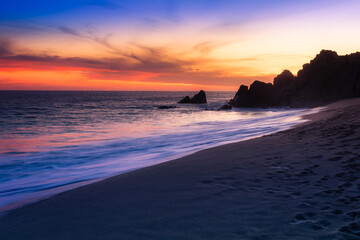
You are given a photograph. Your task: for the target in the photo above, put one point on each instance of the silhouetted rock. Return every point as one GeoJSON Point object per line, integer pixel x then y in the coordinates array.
{"type": "Point", "coordinates": [166, 107]}
{"type": "Point", "coordinates": [200, 97]}
{"type": "Point", "coordinates": [327, 78]}
{"type": "Point", "coordinates": [226, 107]}
{"type": "Point", "coordinates": [240, 97]}
{"type": "Point", "coordinates": [259, 95]}
{"type": "Point", "coordinates": [283, 88]}
{"type": "Point", "coordinates": [285, 79]}
{"type": "Point", "coordinates": [242, 89]}
{"type": "Point", "coordinates": [185, 100]}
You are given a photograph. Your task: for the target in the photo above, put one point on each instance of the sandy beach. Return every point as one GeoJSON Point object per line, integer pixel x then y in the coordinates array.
{"type": "Point", "coordinates": [302, 183]}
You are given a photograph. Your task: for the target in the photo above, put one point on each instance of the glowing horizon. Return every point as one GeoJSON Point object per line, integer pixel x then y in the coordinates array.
{"type": "Point", "coordinates": [166, 45]}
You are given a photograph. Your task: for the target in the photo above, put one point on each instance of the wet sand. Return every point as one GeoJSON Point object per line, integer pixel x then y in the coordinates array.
{"type": "Point", "coordinates": [302, 183]}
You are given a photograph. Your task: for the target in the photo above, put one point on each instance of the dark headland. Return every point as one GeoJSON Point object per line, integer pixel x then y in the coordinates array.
{"type": "Point", "coordinates": [302, 183]}
{"type": "Point", "coordinates": [327, 78]}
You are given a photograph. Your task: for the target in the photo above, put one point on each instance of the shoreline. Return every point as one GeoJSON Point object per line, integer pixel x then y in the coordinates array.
{"type": "Point", "coordinates": [295, 118]}
{"type": "Point", "coordinates": [278, 186]}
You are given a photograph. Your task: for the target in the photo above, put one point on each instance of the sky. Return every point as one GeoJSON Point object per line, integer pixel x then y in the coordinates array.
{"type": "Point", "coordinates": [215, 45]}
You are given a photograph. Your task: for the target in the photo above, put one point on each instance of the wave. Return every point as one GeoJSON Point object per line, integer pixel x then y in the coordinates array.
{"type": "Point", "coordinates": [31, 174]}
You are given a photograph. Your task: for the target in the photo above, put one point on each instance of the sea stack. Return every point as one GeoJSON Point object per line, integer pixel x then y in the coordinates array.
{"type": "Point", "coordinates": [200, 97]}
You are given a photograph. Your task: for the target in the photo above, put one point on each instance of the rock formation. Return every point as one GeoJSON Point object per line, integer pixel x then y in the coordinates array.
{"type": "Point", "coordinates": [166, 107]}
{"type": "Point", "coordinates": [225, 107]}
{"type": "Point", "coordinates": [327, 78]}
{"type": "Point", "coordinates": [200, 97]}
{"type": "Point", "coordinates": [185, 100]}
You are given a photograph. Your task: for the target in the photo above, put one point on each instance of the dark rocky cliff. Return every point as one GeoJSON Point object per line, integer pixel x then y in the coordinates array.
{"type": "Point", "coordinates": [327, 78]}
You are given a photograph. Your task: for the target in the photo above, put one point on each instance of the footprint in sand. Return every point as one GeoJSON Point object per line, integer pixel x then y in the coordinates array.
{"type": "Point", "coordinates": [329, 191]}
{"type": "Point", "coordinates": [300, 217]}
{"type": "Point", "coordinates": [344, 153]}
{"type": "Point", "coordinates": [325, 223]}
{"type": "Point", "coordinates": [351, 229]}
{"type": "Point", "coordinates": [325, 178]}
{"type": "Point", "coordinates": [340, 175]}
{"type": "Point", "coordinates": [207, 181]}
{"type": "Point", "coordinates": [348, 200]}
{"type": "Point", "coordinates": [353, 214]}
{"type": "Point", "coordinates": [337, 212]}
{"type": "Point", "coordinates": [345, 185]}
{"type": "Point", "coordinates": [310, 214]}
{"type": "Point", "coordinates": [335, 159]}
{"type": "Point", "coordinates": [325, 208]}
{"type": "Point", "coordinates": [317, 227]}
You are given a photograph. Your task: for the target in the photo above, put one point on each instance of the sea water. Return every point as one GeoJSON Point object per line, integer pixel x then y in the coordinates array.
{"type": "Point", "coordinates": [51, 141]}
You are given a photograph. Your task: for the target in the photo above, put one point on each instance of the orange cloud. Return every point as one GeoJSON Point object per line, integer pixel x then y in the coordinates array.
{"type": "Point", "coordinates": [145, 68]}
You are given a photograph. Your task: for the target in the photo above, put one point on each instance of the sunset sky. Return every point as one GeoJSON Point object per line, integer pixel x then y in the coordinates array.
{"type": "Point", "coordinates": [166, 45]}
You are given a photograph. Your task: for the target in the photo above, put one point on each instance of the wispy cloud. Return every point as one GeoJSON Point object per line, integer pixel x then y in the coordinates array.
{"type": "Point", "coordinates": [145, 62]}
{"type": "Point", "coordinates": [207, 47]}
{"type": "Point", "coordinates": [155, 64]}
{"type": "Point", "coordinates": [121, 68]}
{"type": "Point", "coordinates": [90, 35]}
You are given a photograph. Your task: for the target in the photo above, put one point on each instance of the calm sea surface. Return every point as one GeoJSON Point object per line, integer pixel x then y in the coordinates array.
{"type": "Point", "coordinates": [52, 141]}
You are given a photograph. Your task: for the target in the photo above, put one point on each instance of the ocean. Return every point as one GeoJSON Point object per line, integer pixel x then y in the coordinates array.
{"type": "Point", "coordinates": [51, 141]}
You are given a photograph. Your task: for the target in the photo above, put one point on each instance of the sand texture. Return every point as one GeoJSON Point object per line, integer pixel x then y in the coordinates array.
{"type": "Point", "coordinates": [303, 183]}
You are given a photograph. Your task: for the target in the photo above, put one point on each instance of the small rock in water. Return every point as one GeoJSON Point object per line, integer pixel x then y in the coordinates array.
{"type": "Point", "coordinates": [166, 107]}
{"type": "Point", "coordinates": [226, 107]}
